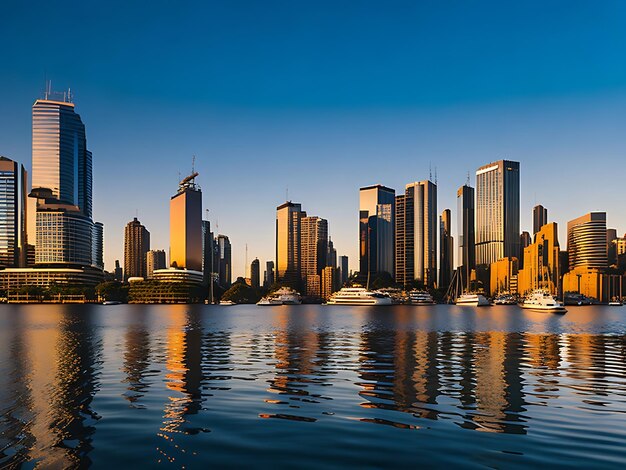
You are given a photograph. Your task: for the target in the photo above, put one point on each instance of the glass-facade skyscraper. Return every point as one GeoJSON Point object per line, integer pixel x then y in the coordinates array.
{"type": "Point", "coordinates": [586, 241]}
{"type": "Point", "coordinates": [376, 230]}
{"type": "Point", "coordinates": [497, 211]}
{"type": "Point", "coordinates": [61, 161]}
{"type": "Point", "coordinates": [466, 235]}
{"type": "Point", "coordinates": [288, 244]}
{"type": "Point", "coordinates": [12, 214]}
{"type": "Point", "coordinates": [186, 226]}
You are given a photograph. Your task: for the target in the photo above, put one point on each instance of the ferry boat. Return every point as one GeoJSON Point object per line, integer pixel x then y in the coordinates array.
{"type": "Point", "coordinates": [542, 301]}
{"type": "Point", "coordinates": [472, 300]}
{"type": "Point", "coordinates": [420, 297]}
{"type": "Point", "coordinates": [227, 303]}
{"type": "Point", "coordinates": [358, 296]}
{"type": "Point", "coordinates": [615, 303]}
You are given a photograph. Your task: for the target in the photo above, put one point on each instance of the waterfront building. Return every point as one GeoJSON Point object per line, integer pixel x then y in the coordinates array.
{"type": "Point", "coordinates": [376, 230]}
{"type": "Point", "coordinates": [208, 251]}
{"type": "Point", "coordinates": [416, 234]}
{"type": "Point", "coordinates": [97, 246]}
{"type": "Point", "coordinates": [288, 244]}
{"type": "Point", "coordinates": [155, 260]}
{"type": "Point", "coordinates": [314, 252]}
{"type": "Point", "coordinates": [186, 225]}
{"type": "Point", "coordinates": [525, 240]}
{"type": "Point", "coordinates": [540, 217]}
{"type": "Point", "coordinates": [611, 246]}
{"type": "Point", "coordinates": [586, 241]}
{"type": "Point", "coordinates": [136, 245]}
{"type": "Point", "coordinates": [497, 211]}
{"type": "Point", "coordinates": [188, 276]}
{"type": "Point", "coordinates": [590, 282]}
{"type": "Point", "coordinates": [224, 256]}
{"type": "Point", "coordinates": [446, 258]}
{"type": "Point", "coordinates": [255, 274]}
{"type": "Point", "coordinates": [269, 274]}
{"type": "Point", "coordinates": [13, 180]}
{"type": "Point", "coordinates": [466, 236]}
{"type": "Point", "coordinates": [343, 270]}
{"type": "Point", "coordinates": [328, 282]}
{"type": "Point", "coordinates": [12, 279]}
{"type": "Point", "coordinates": [331, 254]}
{"type": "Point", "coordinates": [504, 276]}
{"type": "Point", "coordinates": [542, 265]}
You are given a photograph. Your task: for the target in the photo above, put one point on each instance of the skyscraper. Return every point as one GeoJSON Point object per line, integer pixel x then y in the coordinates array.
{"type": "Point", "coordinates": [208, 251]}
{"type": "Point", "coordinates": [119, 272]}
{"type": "Point", "coordinates": [186, 226]}
{"type": "Point", "coordinates": [61, 161]}
{"type": "Point", "coordinates": [542, 269]}
{"type": "Point", "coordinates": [136, 245]}
{"type": "Point", "coordinates": [288, 244]}
{"type": "Point", "coordinates": [611, 246]}
{"type": "Point", "coordinates": [540, 217]}
{"type": "Point", "coordinates": [155, 259]}
{"type": "Point", "coordinates": [446, 264]}
{"type": "Point", "coordinates": [255, 273]}
{"type": "Point", "coordinates": [343, 266]}
{"type": "Point", "coordinates": [525, 240]}
{"type": "Point", "coordinates": [416, 234]}
{"type": "Point", "coordinates": [376, 229]}
{"type": "Point", "coordinates": [465, 226]}
{"type": "Point", "coordinates": [12, 214]}
{"type": "Point", "coordinates": [224, 261]}
{"type": "Point", "coordinates": [314, 252]}
{"type": "Point", "coordinates": [586, 241]}
{"type": "Point", "coordinates": [497, 211]}
{"type": "Point", "coordinates": [269, 274]}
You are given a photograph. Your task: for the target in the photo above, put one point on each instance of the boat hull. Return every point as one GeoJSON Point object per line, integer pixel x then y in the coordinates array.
{"type": "Point", "coordinates": [541, 308]}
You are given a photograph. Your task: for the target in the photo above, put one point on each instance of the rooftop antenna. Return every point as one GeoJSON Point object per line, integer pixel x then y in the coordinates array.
{"type": "Point", "coordinates": [69, 95]}
{"type": "Point", "coordinates": [193, 164]}
{"type": "Point", "coordinates": [430, 172]}
{"type": "Point", "coordinates": [435, 175]}
{"type": "Point", "coordinates": [207, 214]}
{"type": "Point", "coordinates": [467, 183]}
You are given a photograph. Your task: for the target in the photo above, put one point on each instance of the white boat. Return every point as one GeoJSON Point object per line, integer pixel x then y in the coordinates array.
{"type": "Point", "coordinates": [472, 300]}
{"type": "Point", "coordinates": [542, 301]}
{"type": "Point", "coordinates": [227, 303]}
{"type": "Point", "coordinates": [269, 301]}
{"type": "Point", "coordinates": [505, 299]}
{"type": "Point", "coordinates": [615, 303]}
{"type": "Point", "coordinates": [287, 296]}
{"type": "Point", "coordinates": [358, 296]}
{"type": "Point", "coordinates": [111, 302]}
{"type": "Point", "coordinates": [420, 297]}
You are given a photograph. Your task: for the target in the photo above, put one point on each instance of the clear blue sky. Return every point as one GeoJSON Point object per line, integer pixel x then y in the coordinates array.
{"type": "Point", "coordinates": [323, 97]}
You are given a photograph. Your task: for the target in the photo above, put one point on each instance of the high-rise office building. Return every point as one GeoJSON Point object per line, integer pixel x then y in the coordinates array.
{"type": "Point", "coordinates": [466, 236]}
{"type": "Point", "coordinates": [97, 246]}
{"type": "Point", "coordinates": [255, 273]}
{"type": "Point", "coordinates": [314, 252]}
{"type": "Point", "coordinates": [586, 241]}
{"type": "Point", "coordinates": [208, 251]}
{"type": "Point", "coordinates": [497, 211]}
{"type": "Point", "coordinates": [12, 214]}
{"type": "Point", "coordinates": [269, 274]}
{"type": "Point", "coordinates": [343, 267]}
{"type": "Point", "coordinates": [288, 244]}
{"type": "Point", "coordinates": [328, 282]}
{"type": "Point", "coordinates": [416, 234]}
{"type": "Point", "coordinates": [186, 226]}
{"type": "Point", "coordinates": [540, 217]}
{"type": "Point", "coordinates": [525, 240]}
{"type": "Point", "coordinates": [224, 255]}
{"type": "Point", "coordinates": [61, 161]}
{"type": "Point", "coordinates": [136, 245]}
{"type": "Point", "coordinates": [446, 259]}
{"type": "Point", "coordinates": [155, 259]}
{"type": "Point", "coordinates": [376, 229]}
{"type": "Point", "coordinates": [119, 272]}
{"type": "Point", "coordinates": [611, 246]}
{"type": "Point", "coordinates": [331, 254]}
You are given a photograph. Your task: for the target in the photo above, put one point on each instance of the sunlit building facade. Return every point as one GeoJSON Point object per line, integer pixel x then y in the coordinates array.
{"type": "Point", "coordinates": [586, 241]}
{"type": "Point", "coordinates": [288, 244]}
{"type": "Point", "coordinates": [416, 234]}
{"type": "Point", "coordinates": [376, 229]}
{"type": "Point", "coordinates": [497, 211]}
{"type": "Point", "coordinates": [314, 252]}
{"type": "Point", "coordinates": [504, 276]}
{"type": "Point", "coordinates": [136, 246]}
{"type": "Point", "coordinates": [12, 214]}
{"type": "Point", "coordinates": [186, 226]}
{"type": "Point", "coordinates": [542, 269]}
{"type": "Point", "coordinates": [155, 260]}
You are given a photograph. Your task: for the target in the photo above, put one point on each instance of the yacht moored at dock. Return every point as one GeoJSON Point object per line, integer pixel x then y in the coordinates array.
{"type": "Point", "coordinates": [420, 297]}
{"type": "Point", "coordinates": [472, 300]}
{"type": "Point", "coordinates": [542, 301]}
{"type": "Point", "coordinates": [358, 296]}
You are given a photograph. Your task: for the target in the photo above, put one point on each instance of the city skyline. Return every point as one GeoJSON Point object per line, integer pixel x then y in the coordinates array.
{"type": "Point", "coordinates": [553, 103]}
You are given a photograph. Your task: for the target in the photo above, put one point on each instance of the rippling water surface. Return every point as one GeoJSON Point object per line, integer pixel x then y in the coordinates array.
{"type": "Point", "coordinates": [306, 386]}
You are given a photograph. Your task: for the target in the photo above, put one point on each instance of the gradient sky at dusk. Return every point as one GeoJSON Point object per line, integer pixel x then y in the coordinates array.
{"type": "Point", "coordinates": [323, 97]}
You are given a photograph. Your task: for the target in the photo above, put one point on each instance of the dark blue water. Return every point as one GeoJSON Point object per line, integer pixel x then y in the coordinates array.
{"type": "Point", "coordinates": [311, 386]}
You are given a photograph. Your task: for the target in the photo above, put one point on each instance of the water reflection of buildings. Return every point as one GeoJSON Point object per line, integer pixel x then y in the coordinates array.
{"type": "Point", "coordinates": [55, 376]}
{"type": "Point", "coordinates": [136, 356]}
{"type": "Point", "coordinates": [422, 372]}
